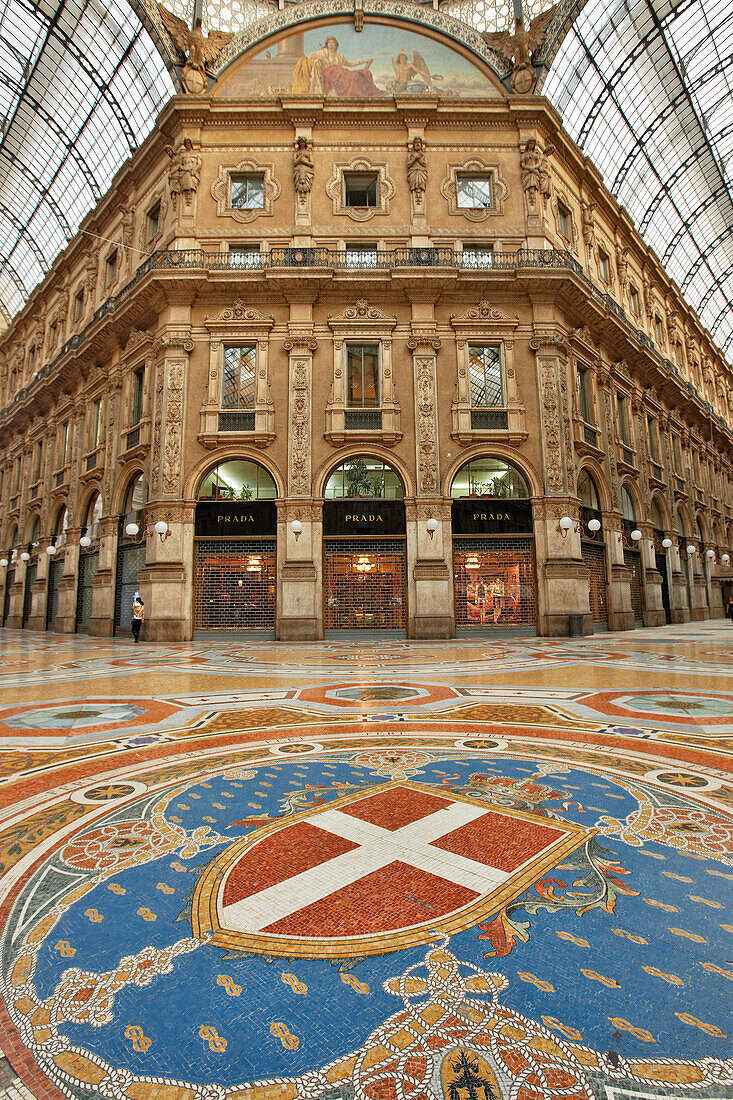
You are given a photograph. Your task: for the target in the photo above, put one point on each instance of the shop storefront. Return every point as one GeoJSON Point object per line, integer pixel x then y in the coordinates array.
{"type": "Point", "coordinates": [494, 576]}
{"type": "Point", "coordinates": [9, 582]}
{"type": "Point", "coordinates": [632, 556]}
{"type": "Point", "coordinates": [88, 564]}
{"type": "Point", "coordinates": [55, 572]}
{"type": "Point", "coordinates": [364, 553]}
{"type": "Point", "coordinates": [235, 551]}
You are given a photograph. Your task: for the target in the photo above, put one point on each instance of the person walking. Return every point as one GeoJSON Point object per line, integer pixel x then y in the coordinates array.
{"type": "Point", "coordinates": [729, 608]}
{"type": "Point", "coordinates": [138, 614]}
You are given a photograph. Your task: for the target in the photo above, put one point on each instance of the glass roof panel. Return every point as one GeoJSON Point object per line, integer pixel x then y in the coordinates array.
{"type": "Point", "coordinates": [81, 83]}
{"type": "Point", "coordinates": [644, 87]}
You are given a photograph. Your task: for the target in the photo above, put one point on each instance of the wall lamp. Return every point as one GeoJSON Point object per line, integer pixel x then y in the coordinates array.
{"type": "Point", "coordinates": [565, 523]}
{"type": "Point", "coordinates": [710, 554]}
{"type": "Point", "coordinates": [25, 556]}
{"type": "Point", "coordinates": [594, 525]}
{"type": "Point", "coordinates": [432, 526]}
{"type": "Point", "coordinates": [636, 535]}
{"type": "Point", "coordinates": [161, 529]}
{"type": "Point", "coordinates": [691, 550]}
{"type": "Point", "coordinates": [296, 527]}
{"type": "Point", "coordinates": [4, 563]}
{"type": "Point", "coordinates": [725, 559]}
{"type": "Point", "coordinates": [666, 543]}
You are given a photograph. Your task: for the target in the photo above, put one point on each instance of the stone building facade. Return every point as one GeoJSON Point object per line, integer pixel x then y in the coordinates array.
{"type": "Point", "coordinates": [370, 352]}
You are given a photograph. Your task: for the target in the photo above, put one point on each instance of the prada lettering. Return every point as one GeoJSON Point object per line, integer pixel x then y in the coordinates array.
{"type": "Point", "coordinates": [496, 516]}
{"type": "Point", "coordinates": [364, 518]}
{"type": "Point", "coordinates": [235, 519]}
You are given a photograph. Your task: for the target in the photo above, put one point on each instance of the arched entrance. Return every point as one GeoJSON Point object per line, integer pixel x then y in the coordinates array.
{"type": "Point", "coordinates": [12, 559]}
{"type": "Point", "coordinates": [31, 570]}
{"type": "Point", "coordinates": [661, 557]}
{"type": "Point", "coordinates": [88, 562]}
{"type": "Point", "coordinates": [235, 551]}
{"type": "Point", "coordinates": [131, 551]}
{"type": "Point", "coordinates": [364, 553]}
{"type": "Point", "coordinates": [593, 549]}
{"type": "Point", "coordinates": [632, 556]}
{"type": "Point", "coordinates": [56, 566]}
{"type": "Point", "coordinates": [494, 578]}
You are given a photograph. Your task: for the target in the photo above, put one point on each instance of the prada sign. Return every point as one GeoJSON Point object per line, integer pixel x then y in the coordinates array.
{"type": "Point", "coordinates": [363, 517]}
{"type": "Point", "coordinates": [234, 519]}
{"type": "Point", "coordinates": [490, 516]}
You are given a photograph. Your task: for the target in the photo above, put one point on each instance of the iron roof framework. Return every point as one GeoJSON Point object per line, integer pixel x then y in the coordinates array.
{"type": "Point", "coordinates": [81, 83]}
{"type": "Point", "coordinates": [644, 87]}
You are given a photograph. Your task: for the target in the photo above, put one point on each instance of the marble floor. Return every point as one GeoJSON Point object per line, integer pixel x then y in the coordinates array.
{"type": "Point", "coordinates": [381, 870]}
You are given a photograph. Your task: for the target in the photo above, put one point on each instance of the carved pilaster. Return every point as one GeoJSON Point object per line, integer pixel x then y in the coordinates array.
{"type": "Point", "coordinates": [299, 415]}
{"type": "Point", "coordinates": [424, 363]}
{"type": "Point", "coordinates": [551, 348]}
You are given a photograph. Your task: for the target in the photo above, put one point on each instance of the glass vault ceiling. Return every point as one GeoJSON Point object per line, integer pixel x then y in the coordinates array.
{"type": "Point", "coordinates": [644, 87]}
{"type": "Point", "coordinates": [80, 86]}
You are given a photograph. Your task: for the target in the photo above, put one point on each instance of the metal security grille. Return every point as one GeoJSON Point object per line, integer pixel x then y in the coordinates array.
{"type": "Point", "coordinates": [594, 557]}
{"type": "Point", "coordinates": [55, 572]}
{"type": "Point", "coordinates": [9, 582]}
{"type": "Point", "coordinates": [365, 584]}
{"type": "Point", "coordinates": [660, 560]}
{"type": "Point", "coordinates": [30, 578]}
{"type": "Point", "coordinates": [633, 559]}
{"type": "Point", "coordinates": [130, 560]}
{"type": "Point", "coordinates": [88, 566]}
{"type": "Point", "coordinates": [494, 582]}
{"type": "Point", "coordinates": [235, 584]}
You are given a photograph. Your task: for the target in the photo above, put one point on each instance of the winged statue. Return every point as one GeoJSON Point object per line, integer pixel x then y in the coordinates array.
{"type": "Point", "coordinates": [199, 48]}
{"type": "Point", "coordinates": [519, 45]}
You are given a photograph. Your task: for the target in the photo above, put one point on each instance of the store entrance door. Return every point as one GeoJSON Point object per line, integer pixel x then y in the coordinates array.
{"type": "Point", "coordinates": [494, 582]}
{"type": "Point", "coordinates": [235, 584]}
{"type": "Point", "coordinates": [661, 564]}
{"type": "Point", "coordinates": [594, 556]}
{"type": "Point", "coordinates": [9, 582]}
{"type": "Point", "coordinates": [31, 571]}
{"type": "Point", "coordinates": [365, 584]}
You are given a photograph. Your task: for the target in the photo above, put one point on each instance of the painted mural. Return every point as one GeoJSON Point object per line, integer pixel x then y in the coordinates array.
{"type": "Point", "coordinates": [337, 61]}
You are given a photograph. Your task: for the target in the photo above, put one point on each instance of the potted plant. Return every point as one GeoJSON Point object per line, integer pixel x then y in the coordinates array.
{"type": "Point", "coordinates": [358, 482]}
{"type": "Point", "coordinates": [245, 493]}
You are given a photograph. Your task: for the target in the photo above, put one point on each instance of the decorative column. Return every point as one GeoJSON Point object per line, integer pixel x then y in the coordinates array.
{"type": "Point", "coordinates": [430, 602]}
{"type": "Point", "coordinates": [652, 579]}
{"type": "Point", "coordinates": [166, 582]}
{"type": "Point", "coordinates": [299, 553]}
{"type": "Point", "coordinates": [562, 575]}
{"type": "Point", "coordinates": [102, 619]}
{"type": "Point", "coordinates": [620, 612]}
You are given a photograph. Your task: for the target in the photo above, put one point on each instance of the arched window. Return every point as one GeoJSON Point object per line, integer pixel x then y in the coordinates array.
{"type": "Point", "coordinates": [490, 477]}
{"type": "Point", "coordinates": [657, 516]}
{"type": "Point", "coordinates": [137, 495]}
{"type": "Point", "coordinates": [364, 476]}
{"type": "Point", "coordinates": [35, 531]}
{"type": "Point", "coordinates": [627, 505]}
{"type": "Point", "coordinates": [238, 479]}
{"type": "Point", "coordinates": [681, 526]}
{"type": "Point", "coordinates": [94, 511]}
{"type": "Point", "coordinates": [59, 527]}
{"type": "Point", "coordinates": [587, 491]}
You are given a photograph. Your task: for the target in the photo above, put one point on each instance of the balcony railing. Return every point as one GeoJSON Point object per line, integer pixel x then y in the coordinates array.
{"type": "Point", "coordinates": [132, 439]}
{"type": "Point", "coordinates": [627, 455]}
{"type": "Point", "coordinates": [236, 421]}
{"type": "Point", "coordinates": [363, 420]}
{"type": "Point", "coordinates": [590, 435]}
{"type": "Point", "coordinates": [60, 477]}
{"type": "Point", "coordinates": [91, 463]}
{"type": "Point", "coordinates": [487, 420]}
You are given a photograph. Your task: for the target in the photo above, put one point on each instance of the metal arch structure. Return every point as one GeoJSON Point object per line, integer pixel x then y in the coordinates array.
{"type": "Point", "coordinates": [81, 83]}
{"type": "Point", "coordinates": [646, 89]}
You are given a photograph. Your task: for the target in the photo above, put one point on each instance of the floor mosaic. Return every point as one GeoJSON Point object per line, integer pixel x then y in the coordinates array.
{"type": "Point", "coordinates": [409, 871]}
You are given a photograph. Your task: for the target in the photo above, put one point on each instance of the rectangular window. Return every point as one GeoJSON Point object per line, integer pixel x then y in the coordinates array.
{"type": "Point", "coordinates": [659, 330]}
{"type": "Point", "coordinates": [16, 479]}
{"type": "Point", "coordinates": [240, 369]}
{"type": "Point", "coordinates": [362, 376]}
{"type": "Point", "coordinates": [653, 439]}
{"type": "Point", "coordinates": [138, 382]}
{"type": "Point", "coordinates": [484, 376]}
{"type": "Point", "coordinates": [53, 333]}
{"type": "Point", "coordinates": [110, 269]}
{"type": "Point", "coordinates": [473, 192]}
{"type": "Point", "coordinates": [153, 221]}
{"type": "Point", "coordinates": [96, 425]}
{"type": "Point", "coordinates": [478, 255]}
{"type": "Point", "coordinates": [564, 221]}
{"type": "Point", "coordinates": [677, 455]}
{"type": "Point", "coordinates": [37, 463]}
{"type": "Point", "coordinates": [248, 192]}
{"type": "Point", "coordinates": [244, 256]}
{"type": "Point", "coordinates": [64, 445]}
{"type": "Point", "coordinates": [361, 255]}
{"type": "Point", "coordinates": [31, 360]}
{"type": "Point", "coordinates": [360, 190]}
{"type": "Point", "coordinates": [584, 396]}
{"type": "Point", "coordinates": [634, 301]}
{"type": "Point", "coordinates": [604, 265]}
{"type": "Point", "coordinates": [622, 404]}
{"type": "Point", "coordinates": [78, 305]}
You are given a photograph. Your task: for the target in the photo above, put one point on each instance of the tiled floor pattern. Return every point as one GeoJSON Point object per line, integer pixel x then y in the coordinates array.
{"type": "Point", "coordinates": [350, 870]}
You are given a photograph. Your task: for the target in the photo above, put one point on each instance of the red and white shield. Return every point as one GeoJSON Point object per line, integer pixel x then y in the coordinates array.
{"type": "Point", "coordinates": [374, 872]}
